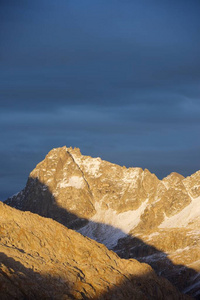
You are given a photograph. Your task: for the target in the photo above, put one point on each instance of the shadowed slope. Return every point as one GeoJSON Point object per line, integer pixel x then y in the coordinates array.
{"type": "Point", "coordinates": [41, 259]}
{"type": "Point", "coordinates": [126, 248]}
{"type": "Point", "coordinates": [114, 205]}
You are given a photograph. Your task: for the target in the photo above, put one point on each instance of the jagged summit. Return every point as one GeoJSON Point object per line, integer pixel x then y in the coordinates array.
{"type": "Point", "coordinates": [114, 204]}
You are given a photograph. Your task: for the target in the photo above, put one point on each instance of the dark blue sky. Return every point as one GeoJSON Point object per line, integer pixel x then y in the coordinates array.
{"type": "Point", "coordinates": [118, 79]}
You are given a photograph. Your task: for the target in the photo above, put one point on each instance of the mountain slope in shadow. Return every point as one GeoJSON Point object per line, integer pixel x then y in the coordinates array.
{"type": "Point", "coordinates": [42, 259]}
{"type": "Point", "coordinates": [129, 210]}
{"type": "Point", "coordinates": [72, 221]}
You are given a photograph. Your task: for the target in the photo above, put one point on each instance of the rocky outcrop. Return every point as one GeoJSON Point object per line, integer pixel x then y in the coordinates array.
{"type": "Point", "coordinates": [53, 188]}
{"type": "Point", "coordinates": [42, 259]}
{"type": "Point", "coordinates": [129, 210]}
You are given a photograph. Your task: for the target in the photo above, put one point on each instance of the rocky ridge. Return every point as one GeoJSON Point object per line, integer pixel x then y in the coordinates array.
{"type": "Point", "coordinates": [42, 259]}
{"type": "Point", "coordinates": [129, 210]}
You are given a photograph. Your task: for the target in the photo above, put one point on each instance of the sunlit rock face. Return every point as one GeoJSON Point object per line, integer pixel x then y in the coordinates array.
{"type": "Point", "coordinates": [42, 259]}
{"type": "Point", "coordinates": [129, 210]}
{"type": "Point", "coordinates": [53, 189]}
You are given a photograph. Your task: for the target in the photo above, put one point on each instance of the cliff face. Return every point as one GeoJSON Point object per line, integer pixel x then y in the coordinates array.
{"type": "Point", "coordinates": [129, 210]}
{"type": "Point", "coordinates": [53, 187]}
{"type": "Point", "coordinates": [42, 259]}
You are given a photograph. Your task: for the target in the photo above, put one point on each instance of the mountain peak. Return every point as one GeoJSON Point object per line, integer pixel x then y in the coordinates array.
{"type": "Point", "coordinates": [113, 205]}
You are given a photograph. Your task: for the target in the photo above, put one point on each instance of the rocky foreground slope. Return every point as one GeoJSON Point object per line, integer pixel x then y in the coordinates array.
{"type": "Point", "coordinates": [129, 210]}
{"type": "Point", "coordinates": [42, 259]}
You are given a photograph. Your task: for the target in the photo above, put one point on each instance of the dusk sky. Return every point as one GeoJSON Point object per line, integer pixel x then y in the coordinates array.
{"type": "Point", "coordinates": [118, 79]}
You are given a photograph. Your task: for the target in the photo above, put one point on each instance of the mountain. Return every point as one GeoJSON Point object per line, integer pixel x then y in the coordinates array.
{"type": "Point", "coordinates": [42, 259]}
{"type": "Point", "coordinates": [129, 210]}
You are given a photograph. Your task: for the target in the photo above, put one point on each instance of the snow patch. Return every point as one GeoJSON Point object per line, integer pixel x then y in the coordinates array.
{"type": "Point", "coordinates": [107, 227]}
{"type": "Point", "coordinates": [182, 249]}
{"type": "Point", "coordinates": [131, 175]}
{"type": "Point", "coordinates": [184, 217]}
{"type": "Point", "coordinates": [49, 172]}
{"type": "Point", "coordinates": [166, 184]}
{"type": "Point", "coordinates": [74, 181]}
{"type": "Point", "coordinates": [152, 235]}
{"type": "Point", "coordinates": [90, 165]}
{"type": "Point", "coordinates": [155, 257]}
{"type": "Point", "coordinates": [196, 186]}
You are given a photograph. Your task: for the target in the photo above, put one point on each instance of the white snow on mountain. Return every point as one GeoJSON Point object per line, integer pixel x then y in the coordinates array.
{"type": "Point", "coordinates": [107, 227]}
{"type": "Point", "coordinates": [184, 217]}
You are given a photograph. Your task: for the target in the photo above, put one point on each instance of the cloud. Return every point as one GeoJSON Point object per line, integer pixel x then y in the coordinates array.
{"type": "Point", "coordinates": [119, 80]}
